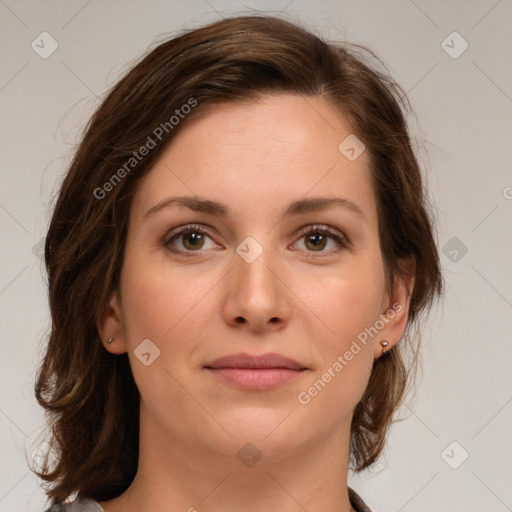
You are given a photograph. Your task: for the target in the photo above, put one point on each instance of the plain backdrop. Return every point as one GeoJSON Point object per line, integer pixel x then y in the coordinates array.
{"type": "Point", "coordinates": [453, 452]}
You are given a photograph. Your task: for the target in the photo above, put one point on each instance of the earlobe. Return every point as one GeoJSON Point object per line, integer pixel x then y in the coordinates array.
{"type": "Point", "coordinates": [396, 313]}
{"type": "Point", "coordinates": [111, 326]}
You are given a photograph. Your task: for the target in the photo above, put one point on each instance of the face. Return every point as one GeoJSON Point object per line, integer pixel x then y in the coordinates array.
{"type": "Point", "coordinates": [279, 253]}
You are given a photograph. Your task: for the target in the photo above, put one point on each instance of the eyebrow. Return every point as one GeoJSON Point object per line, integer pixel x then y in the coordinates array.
{"type": "Point", "coordinates": [306, 205]}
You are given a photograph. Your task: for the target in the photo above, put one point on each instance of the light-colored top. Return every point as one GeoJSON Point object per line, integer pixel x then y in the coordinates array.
{"type": "Point", "coordinates": [89, 505]}
{"type": "Point", "coordinates": [79, 505]}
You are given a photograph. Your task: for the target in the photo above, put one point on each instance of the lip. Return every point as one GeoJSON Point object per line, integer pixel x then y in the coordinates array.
{"type": "Point", "coordinates": [264, 361]}
{"type": "Point", "coordinates": [253, 372]}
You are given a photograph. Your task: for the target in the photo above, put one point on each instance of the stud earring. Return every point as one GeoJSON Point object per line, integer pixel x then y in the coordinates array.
{"type": "Point", "coordinates": [110, 340]}
{"type": "Point", "coordinates": [384, 344]}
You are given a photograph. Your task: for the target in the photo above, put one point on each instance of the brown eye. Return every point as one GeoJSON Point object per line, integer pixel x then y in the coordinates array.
{"type": "Point", "coordinates": [192, 240]}
{"type": "Point", "coordinates": [316, 242]}
{"type": "Point", "coordinates": [324, 239]}
{"type": "Point", "coordinates": [188, 240]}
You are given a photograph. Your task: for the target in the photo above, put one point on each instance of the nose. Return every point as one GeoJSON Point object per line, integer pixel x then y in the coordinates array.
{"type": "Point", "coordinates": [256, 297]}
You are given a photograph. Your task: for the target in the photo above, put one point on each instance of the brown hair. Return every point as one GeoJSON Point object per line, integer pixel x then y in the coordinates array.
{"type": "Point", "coordinates": [89, 394]}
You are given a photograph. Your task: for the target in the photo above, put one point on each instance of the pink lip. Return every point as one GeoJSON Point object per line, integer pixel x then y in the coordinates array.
{"type": "Point", "coordinates": [255, 372]}
{"type": "Point", "coordinates": [265, 361]}
{"type": "Point", "coordinates": [256, 380]}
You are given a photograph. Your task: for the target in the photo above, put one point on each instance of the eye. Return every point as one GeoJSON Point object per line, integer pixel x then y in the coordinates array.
{"type": "Point", "coordinates": [317, 239]}
{"type": "Point", "coordinates": [187, 239]}
{"type": "Point", "coordinates": [190, 239]}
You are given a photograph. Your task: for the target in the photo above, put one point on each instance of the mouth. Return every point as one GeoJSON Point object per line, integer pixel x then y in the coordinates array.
{"type": "Point", "coordinates": [256, 373]}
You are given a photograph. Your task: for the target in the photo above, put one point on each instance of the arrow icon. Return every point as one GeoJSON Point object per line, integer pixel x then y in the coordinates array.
{"type": "Point", "coordinates": [454, 455]}
{"type": "Point", "coordinates": [351, 147]}
{"type": "Point", "coordinates": [454, 45]}
{"type": "Point", "coordinates": [249, 455]}
{"type": "Point", "coordinates": [147, 352]}
{"type": "Point", "coordinates": [44, 45]}
{"type": "Point", "coordinates": [454, 249]}
{"type": "Point", "coordinates": [249, 249]}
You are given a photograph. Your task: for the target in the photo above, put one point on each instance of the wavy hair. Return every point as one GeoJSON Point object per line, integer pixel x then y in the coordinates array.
{"type": "Point", "coordinates": [89, 395]}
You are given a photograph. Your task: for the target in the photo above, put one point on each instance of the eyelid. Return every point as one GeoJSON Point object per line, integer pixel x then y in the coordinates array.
{"type": "Point", "coordinates": [186, 228]}
{"type": "Point", "coordinates": [322, 227]}
{"type": "Point", "coordinates": [338, 236]}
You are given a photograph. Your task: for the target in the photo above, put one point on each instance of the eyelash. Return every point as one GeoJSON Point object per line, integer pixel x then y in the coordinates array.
{"type": "Point", "coordinates": [322, 229]}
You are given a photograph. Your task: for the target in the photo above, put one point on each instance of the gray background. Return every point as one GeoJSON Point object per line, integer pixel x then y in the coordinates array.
{"type": "Point", "coordinates": [463, 131]}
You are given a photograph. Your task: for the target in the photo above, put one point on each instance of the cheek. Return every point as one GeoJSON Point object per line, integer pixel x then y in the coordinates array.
{"type": "Point", "coordinates": [173, 307]}
{"type": "Point", "coordinates": [347, 301]}
{"type": "Point", "coordinates": [172, 311]}
{"type": "Point", "coordinates": [347, 305]}
{"type": "Point", "coordinates": [160, 297]}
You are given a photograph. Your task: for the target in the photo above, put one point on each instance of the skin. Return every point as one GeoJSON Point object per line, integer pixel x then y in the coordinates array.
{"type": "Point", "coordinates": [305, 301]}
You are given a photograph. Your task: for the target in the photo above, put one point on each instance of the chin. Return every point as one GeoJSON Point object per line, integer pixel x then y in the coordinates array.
{"type": "Point", "coordinates": [271, 430]}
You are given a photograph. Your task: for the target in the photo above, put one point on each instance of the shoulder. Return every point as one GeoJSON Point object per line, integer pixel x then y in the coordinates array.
{"type": "Point", "coordinates": [79, 505]}
{"type": "Point", "coordinates": [357, 502]}
{"type": "Point", "coordinates": [89, 505]}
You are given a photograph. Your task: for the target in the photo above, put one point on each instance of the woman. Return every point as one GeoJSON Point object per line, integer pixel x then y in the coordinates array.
{"type": "Point", "coordinates": [238, 258]}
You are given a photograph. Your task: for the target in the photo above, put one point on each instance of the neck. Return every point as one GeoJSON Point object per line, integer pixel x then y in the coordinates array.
{"type": "Point", "coordinates": [232, 476]}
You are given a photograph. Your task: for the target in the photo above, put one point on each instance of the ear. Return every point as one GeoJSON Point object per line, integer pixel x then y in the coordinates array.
{"type": "Point", "coordinates": [395, 307]}
{"type": "Point", "coordinates": [110, 325]}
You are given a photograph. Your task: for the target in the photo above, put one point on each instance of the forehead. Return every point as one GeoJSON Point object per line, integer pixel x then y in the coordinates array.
{"type": "Point", "coordinates": [269, 151]}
